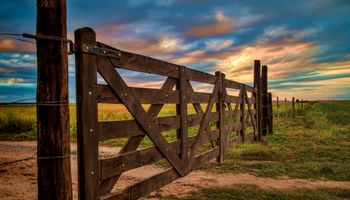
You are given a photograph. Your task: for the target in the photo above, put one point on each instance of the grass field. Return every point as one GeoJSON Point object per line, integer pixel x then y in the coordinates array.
{"type": "Point", "coordinates": [248, 192]}
{"type": "Point", "coordinates": [313, 145]}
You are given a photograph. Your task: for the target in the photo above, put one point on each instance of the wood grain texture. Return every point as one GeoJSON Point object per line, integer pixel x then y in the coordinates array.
{"type": "Point", "coordinates": [54, 175]}
{"type": "Point", "coordinates": [86, 66]}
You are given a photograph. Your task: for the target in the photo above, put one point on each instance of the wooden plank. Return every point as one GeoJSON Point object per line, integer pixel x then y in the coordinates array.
{"type": "Point", "coordinates": [128, 98]}
{"type": "Point", "coordinates": [237, 85]}
{"type": "Point", "coordinates": [232, 99]}
{"type": "Point", "coordinates": [157, 181]}
{"type": "Point", "coordinates": [243, 116]}
{"type": "Point", "coordinates": [198, 109]}
{"type": "Point", "coordinates": [144, 187]}
{"type": "Point", "coordinates": [107, 185]}
{"type": "Point", "coordinates": [86, 66]}
{"type": "Point", "coordinates": [251, 115]}
{"type": "Point", "coordinates": [143, 95]}
{"type": "Point", "coordinates": [205, 157]}
{"type": "Point", "coordinates": [181, 110]}
{"type": "Point", "coordinates": [142, 63]}
{"type": "Point", "coordinates": [200, 97]}
{"type": "Point", "coordinates": [204, 123]}
{"type": "Point", "coordinates": [130, 128]}
{"type": "Point", "coordinates": [198, 76]}
{"type": "Point", "coordinates": [155, 96]}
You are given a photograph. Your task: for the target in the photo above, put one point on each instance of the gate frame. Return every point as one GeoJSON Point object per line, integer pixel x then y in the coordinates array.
{"type": "Point", "coordinates": [93, 57]}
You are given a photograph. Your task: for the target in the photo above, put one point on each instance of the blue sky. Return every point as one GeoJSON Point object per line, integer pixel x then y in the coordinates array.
{"type": "Point", "coordinates": [304, 43]}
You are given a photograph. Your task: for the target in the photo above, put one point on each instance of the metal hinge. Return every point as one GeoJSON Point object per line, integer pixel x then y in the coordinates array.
{"type": "Point", "coordinates": [102, 51]}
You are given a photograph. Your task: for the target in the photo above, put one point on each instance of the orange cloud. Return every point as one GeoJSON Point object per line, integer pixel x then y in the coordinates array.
{"type": "Point", "coordinates": [12, 45]}
{"type": "Point", "coordinates": [222, 26]}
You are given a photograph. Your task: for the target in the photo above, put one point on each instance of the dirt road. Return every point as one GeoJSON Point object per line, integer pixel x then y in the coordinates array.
{"type": "Point", "coordinates": [18, 180]}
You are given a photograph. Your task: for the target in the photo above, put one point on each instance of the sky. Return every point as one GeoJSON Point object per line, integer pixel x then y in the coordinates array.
{"type": "Point", "coordinates": [305, 44]}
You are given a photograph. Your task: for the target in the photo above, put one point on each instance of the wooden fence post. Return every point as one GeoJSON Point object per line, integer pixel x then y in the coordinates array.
{"type": "Point", "coordinates": [257, 96]}
{"type": "Point", "coordinates": [293, 110]}
{"type": "Point", "coordinates": [270, 113]}
{"type": "Point", "coordinates": [53, 146]}
{"type": "Point", "coordinates": [286, 106]}
{"type": "Point", "coordinates": [302, 105]}
{"type": "Point", "coordinates": [220, 123]}
{"type": "Point", "coordinates": [181, 110]}
{"type": "Point", "coordinates": [264, 94]}
{"type": "Point", "coordinates": [86, 70]}
{"type": "Point", "coordinates": [243, 116]}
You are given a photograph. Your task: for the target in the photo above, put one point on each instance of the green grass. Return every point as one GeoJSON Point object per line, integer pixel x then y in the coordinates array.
{"type": "Point", "coordinates": [315, 145]}
{"type": "Point", "coordinates": [248, 192]}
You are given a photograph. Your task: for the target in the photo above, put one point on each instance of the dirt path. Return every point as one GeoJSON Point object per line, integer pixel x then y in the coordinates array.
{"type": "Point", "coordinates": [18, 181]}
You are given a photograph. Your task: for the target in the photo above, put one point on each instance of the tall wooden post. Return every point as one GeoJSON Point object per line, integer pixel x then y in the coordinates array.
{"type": "Point", "coordinates": [257, 96]}
{"type": "Point", "coordinates": [264, 99]}
{"type": "Point", "coordinates": [220, 123]}
{"type": "Point", "coordinates": [54, 172]}
{"type": "Point", "coordinates": [293, 108]}
{"type": "Point", "coordinates": [86, 69]}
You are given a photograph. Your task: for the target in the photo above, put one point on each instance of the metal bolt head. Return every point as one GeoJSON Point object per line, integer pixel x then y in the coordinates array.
{"type": "Point", "coordinates": [92, 172]}
{"type": "Point", "coordinates": [87, 48]}
{"type": "Point", "coordinates": [91, 130]}
{"type": "Point", "coordinates": [90, 93]}
{"type": "Point", "coordinates": [125, 94]}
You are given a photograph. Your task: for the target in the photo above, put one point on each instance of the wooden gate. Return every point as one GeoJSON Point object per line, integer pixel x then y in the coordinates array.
{"type": "Point", "coordinates": [233, 115]}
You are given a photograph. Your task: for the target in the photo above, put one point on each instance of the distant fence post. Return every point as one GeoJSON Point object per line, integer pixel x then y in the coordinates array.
{"type": "Point", "coordinates": [257, 96]}
{"type": "Point", "coordinates": [264, 99]}
{"type": "Point", "coordinates": [293, 110]}
{"type": "Point", "coordinates": [270, 114]}
{"type": "Point", "coordinates": [302, 105]}
{"type": "Point", "coordinates": [286, 106]}
{"type": "Point", "coordinates": [278, 106]}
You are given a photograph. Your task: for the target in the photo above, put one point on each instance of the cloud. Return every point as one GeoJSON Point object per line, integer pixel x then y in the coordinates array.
{"type": "Point", "coordinates": [217, 45]}
{"type": "Point", "coordinates": [10, 45]}
{"type": "Point", "coordinates": [223, 25]}
{"type": "Point", "coordinates": [11, 81]}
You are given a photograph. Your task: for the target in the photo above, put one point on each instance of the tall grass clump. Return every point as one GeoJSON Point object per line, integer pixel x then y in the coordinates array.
{"type": "Point", "coordinates": [17, 126]}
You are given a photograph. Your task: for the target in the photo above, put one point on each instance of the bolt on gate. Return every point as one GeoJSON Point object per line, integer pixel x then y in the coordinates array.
{"type": "Point", "coordinates": [233, 115]}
